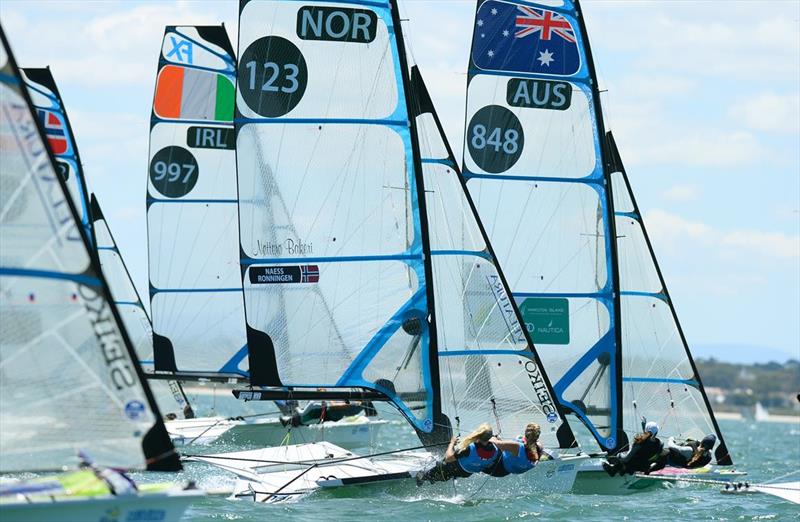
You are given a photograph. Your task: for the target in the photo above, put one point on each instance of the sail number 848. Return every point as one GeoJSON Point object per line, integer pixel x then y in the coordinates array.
{"type": "Point", "coordinates": [509, 143]}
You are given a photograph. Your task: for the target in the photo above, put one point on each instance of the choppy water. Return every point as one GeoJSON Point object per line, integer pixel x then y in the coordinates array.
{"type": "Point", "coordinates": [764, 450]}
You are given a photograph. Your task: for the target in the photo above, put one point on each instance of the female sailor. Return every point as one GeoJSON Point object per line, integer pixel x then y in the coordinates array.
{"type": "Point", "coordinates": [518, 456]}
{"type": "Point", "coordinates": [644, 453]}
{"type": "Point", "coordinates": [474, 454]}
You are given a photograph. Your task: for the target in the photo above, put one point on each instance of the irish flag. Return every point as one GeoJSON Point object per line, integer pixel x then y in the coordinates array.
{"type": "Point", "coordinates": [191, 94]}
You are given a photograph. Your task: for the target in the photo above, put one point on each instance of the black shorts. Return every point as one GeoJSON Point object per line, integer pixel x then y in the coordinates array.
{"type": "Point", "coordinates": [444, 471]}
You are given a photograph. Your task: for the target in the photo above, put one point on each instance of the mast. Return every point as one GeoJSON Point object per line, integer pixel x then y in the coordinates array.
{"type": "Point", "coordinates": [442, 431]}
{"type": "Point", "coordinates": [616, 165]}
{"type": "Point", "coordinates": [621, 437]}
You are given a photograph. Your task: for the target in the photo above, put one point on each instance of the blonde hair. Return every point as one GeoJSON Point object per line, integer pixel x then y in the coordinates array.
{"type": "Point", "coordinates": [532, 433]}
{"type": "Point", "coordinates": [479, 432]}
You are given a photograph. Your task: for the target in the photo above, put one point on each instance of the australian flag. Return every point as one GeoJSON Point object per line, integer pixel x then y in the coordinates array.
{"type": "Point", "coordinates": [517, 38]}
{"type": "Point", "coordinates": [55, 130]}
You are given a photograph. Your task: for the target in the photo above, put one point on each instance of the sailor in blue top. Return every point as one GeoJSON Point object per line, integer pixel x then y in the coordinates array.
{"type": "Point", "coordinates": [518, 456]}
{"type": "Point", "coordinates": [476, 453]}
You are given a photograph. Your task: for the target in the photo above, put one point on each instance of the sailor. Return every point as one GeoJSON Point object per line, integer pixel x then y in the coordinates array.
{"type": "Point", "coordinates": [520, 455]}
{"type": "Point", "coordinates": [474, 454]}
{"type": "Point", "coordinates": [690, 453]}
{"type": "Point", "coordinates": [643, 455]}
{"type": "Point", "coordinates": [316, 412]}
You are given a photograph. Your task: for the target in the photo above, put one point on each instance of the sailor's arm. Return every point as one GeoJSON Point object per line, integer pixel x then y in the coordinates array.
{"type": "Point", "coordinates": [450, 454]}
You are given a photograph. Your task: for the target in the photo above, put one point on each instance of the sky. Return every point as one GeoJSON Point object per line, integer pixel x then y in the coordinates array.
{"type": "Point", "coordinates": [703, 99]}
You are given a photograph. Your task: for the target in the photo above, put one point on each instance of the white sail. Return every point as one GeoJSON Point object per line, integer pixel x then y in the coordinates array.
{"type": "Point", "coordinates": [69, 376]}
{"type": "Point", "coordinates": [488, 370]}
{"type": "Point", "coordinates": [195, 283]}
{"type": "Point", "coordinates": [168, 394]}
{"type": "Point", "coordinates": [52, 116]}
{"type": "Point", "coordinates": [534, 166]}
{"type": "Point", "coordinates": [335, 282]}
{"type": "Point", "coordinates": [659, 377]}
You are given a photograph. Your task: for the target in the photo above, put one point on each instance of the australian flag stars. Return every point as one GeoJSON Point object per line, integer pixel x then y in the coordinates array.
{"type": "Point", "coordinates": [517, 38]}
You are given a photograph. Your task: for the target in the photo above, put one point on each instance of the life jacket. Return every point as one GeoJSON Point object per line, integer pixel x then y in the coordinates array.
{"type": "Point", "coordinates": [479, 458]}
{"type": "Point", "coordinates": [519, 463]}
{"type": "Point", "coordinates": [647, 453]}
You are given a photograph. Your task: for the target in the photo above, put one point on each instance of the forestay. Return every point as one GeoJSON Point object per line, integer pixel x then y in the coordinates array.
{"type": "Point", "coordinates": [488, 370]}
{"type": "Point", "coordinates": [659, 377]}
{"type": "Point", "coordinates": [168, 394]}
{"type": "Point", "coordinates": [68, 375]}
{"type": "Point", "coordinates": [195, 284]}
{"type": "Point", "coordinates": [533, 162]}
{"type": "Point", "coordinates": [332, 240]}
{"type": "Point", "coordinates": [53, 118]}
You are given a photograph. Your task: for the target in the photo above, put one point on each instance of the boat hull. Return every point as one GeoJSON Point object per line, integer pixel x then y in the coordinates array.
{"type": "Point", "coordinates": [167, 506]}
{"type": "Point", "coordinates": [351, 432]}
{"type": "Point", "coordinates": [592, 479]}
{"type": "Point", "coordinates": [312, 468]}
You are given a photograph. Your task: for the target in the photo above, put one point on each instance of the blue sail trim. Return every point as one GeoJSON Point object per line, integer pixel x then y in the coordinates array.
{"type": "Point", "coordinates": [690, 382]}
{"type": "Point", "coordinates": [232, 366]}
{"type": "Point", "coordinates": [49, 274]}
{"type": "Point", "coordinates": [456, 353]}
{"type": "Point", "coordinates": [445, 161]}
{"type": "Point", "coordinates": [605, 346]}
{"type": "Point", "coordinates": [656, 295]}
{"type": "Point", "coordinates": [632, 215]}
{"type": "Point", "coordinates": [588, 180]}
{"type": "Point", "coordinates": [9, 79]}
{"type": "Point", "coordinates": [323, 121]}
{"type": "Point", "coordinates": [152, 200]}
{"type": "Point", "coordinates": [109, 249]}
{"type": "Point", "coordinates": [331, 259]}
{"type": "Point", "coordinates": [210, 123]}
{"type": "Point", "coordinates": [154, 291]}
{"type": "Point", "coordinates": [474, 253]}
{"type": "Point", "coordinates": [128, 303]}
{"type": "Point", "coordinates": [577, 295]}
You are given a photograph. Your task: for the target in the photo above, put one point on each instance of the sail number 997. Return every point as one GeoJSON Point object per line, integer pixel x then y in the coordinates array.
{"type": "Point", "coordinates": [495, 139]}
{"type": "Point", "coordinates": [173, 171]}
{"type": "Point", "coordinates": [272, 76]}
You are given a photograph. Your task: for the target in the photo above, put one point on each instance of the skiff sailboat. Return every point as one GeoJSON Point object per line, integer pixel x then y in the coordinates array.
{"type": "Point", "coordinates": [549, 185]}
{"type": "Point", "coordinates": [70, 380]}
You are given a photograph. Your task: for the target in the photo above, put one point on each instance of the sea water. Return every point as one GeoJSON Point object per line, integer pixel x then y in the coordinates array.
{"type": "Point", "coordinates": [763, 450]}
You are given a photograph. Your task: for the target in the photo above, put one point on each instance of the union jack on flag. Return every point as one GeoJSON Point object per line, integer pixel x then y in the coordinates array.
{"type": "Point", "coordinates": [309, 274]}
{"type": "Point", "coordinates": [544, 22]}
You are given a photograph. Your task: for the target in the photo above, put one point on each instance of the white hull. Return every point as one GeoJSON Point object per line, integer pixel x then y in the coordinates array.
{"type": "Point", "coordinates": [350, 432]}
{"type": "Point", "coordinates": [294, 471]}
{"type": "Point", "coordinates": [167, 506]}
{"type": "Point", "coordinates": [593, 479]}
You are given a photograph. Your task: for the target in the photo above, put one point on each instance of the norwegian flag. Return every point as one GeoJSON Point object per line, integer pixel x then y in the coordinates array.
{"type": "Point", "coordinates": [55, 130]}
{"type": "Point", "coordinates": [545, 22]}
{"type": "Point", "coordinates": [309, 274]}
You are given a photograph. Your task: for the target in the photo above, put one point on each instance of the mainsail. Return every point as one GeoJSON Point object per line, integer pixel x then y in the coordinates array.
{"type": "Point", "coordinates": [70, 379]}
{"type": "Point", "coordinates": [488, 370]}
{"type": "Point", "coordinates": [195, 283]}
{"type": "Point", "coordinates": [534, 162]}
{"type": "Point", "coordinates": [659, 377]}
{"type": "Point", "coordinates": [339, 268]}
{"type": "Point", "coordinates": [53, 118]}
{"type": "Point", "coordinates": [169, 394]}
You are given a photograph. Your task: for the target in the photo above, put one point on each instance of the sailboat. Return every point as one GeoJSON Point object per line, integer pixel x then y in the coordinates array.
{"type": "Point", "coordinates": [195, 279]}
{"type": "Point", "coordinates": [550, 187]}
{"type": "Point", "coordinates": [391, 292]}
{"type": "Point", "coordinates": [63, 340]}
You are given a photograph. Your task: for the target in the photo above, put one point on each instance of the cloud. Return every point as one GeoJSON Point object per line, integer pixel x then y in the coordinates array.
{"type": "Point", "coordinates": [681, 193]}
{"type": "Point", "coordinates": [770, 112]}
{"type": "Point", "coordinates": [676, 233]}
{"type": "Point", "coordinates": [708, 148]}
